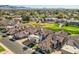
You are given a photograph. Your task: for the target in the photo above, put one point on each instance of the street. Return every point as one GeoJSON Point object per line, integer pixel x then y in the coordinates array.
{"type": "Point", "coordinates": [13, 46]}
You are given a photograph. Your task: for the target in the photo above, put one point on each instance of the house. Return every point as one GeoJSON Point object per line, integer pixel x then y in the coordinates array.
{"type": "Point", "coordinates": [20, 35]}
{"type": "Point", "coordinates": [56, 20]}
{"type": "Point", "coordinates": [3, 22]}
{"type": "Point", "coordinates": [68, 49]}
{"type": "Point", "coordinates": [45, 45]}
{"type": "Point", "coordinates": [14, 26]}
{"type": "Point", "coordinates": [72, 45]}
{"type": "Point", "coordinates": [34, 38]}
{"type": "Point", "coordinates": [53, 41]}
{"type": "Point", "coordinates": [37, 34]}
{"type": "Point", "coordinates": [73, 41]}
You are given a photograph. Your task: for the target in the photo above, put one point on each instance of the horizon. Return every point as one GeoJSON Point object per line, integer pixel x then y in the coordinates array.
{"type": "Point", "coordinates": [49, 6]}
{"type": "Point", "coordinates": [54, 6]}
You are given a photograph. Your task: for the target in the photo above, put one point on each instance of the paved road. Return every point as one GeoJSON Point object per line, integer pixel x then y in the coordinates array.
{"type": "Point", "coordinates": [13, 46]}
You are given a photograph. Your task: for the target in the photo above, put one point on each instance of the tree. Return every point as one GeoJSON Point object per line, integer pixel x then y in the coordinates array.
{"type": "Point", "coordinates": [25, 18]}
{"type": "Point", "coordinates": [8, 18]}
{"type": "Point", "coordinates": [60, 15]}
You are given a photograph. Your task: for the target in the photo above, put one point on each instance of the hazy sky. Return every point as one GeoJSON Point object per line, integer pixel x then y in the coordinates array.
{"type": "Point", "coordinates": [51, 6]}
{"type": "Point", "coordinates": [43, 3]}
{"type": "Point", "coordinates": [54, 6]}
{"type": "Point", "coordinates": [40, 2]}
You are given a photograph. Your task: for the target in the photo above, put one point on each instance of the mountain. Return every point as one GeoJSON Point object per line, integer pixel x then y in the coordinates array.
{"type": "Point", "coordinates": [12, 7]}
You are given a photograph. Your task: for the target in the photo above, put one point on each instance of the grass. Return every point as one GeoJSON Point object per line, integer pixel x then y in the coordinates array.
{"type": "Point", "coordinates": [69, 29]}
{"type": "Point", "coordinates": [1, 49]}
{"type": "Point", "coordinates": [55, 27]}
{"type": "Point", "coordinates": [52, 26]}
{"type": "Point", "coordinates": [36, 46]}
{"type": "Point", "coordinates": [74, 34]}
{"type": "Point", "coordinates": [0, 36]}
{"type": "Point", "coordinates": [31, 23]}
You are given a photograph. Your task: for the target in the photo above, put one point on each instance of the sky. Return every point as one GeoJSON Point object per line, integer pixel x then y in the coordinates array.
{"type": "Point", "coordinates": [39, 2]}
{"type": "Point", "coordinates": [70, 4]}
{"type": "Point", "coordinates": [50, 6]}
{"type": "Point", "coordinates": [54, 6]}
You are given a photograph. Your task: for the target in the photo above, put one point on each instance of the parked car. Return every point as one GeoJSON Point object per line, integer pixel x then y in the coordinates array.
{"type": "Point", "coordinates": [34, 53]}
{"type": "Point", "coordinates": [12, 39]}
{"type": "Point", "coordinates": [31, 45]}
{"type": "Point", "coordinates": [25, 48]}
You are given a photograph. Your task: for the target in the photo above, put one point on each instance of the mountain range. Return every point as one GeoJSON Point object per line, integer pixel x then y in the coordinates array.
{"type": "Point", "coordinates": [12, 7]}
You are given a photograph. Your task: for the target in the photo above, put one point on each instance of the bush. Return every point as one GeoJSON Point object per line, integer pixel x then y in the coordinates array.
{"type": "Point", "coordinates": [25, 18]}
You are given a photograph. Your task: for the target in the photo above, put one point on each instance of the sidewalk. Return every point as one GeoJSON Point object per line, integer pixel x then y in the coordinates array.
{"type": "Point", "coordinates": [7, 51]}
{"type": "Point", "coordinates": [57, 52]}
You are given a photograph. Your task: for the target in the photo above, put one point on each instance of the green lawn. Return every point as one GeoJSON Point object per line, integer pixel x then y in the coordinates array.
{"type": "Point", "coordinates": [55, 27]}
{"type": "Point", "coordinates": [35, 46]}
{"type": "Point", "coordinates": [1, 49]}
{"type": "Point", "coordinates": [74, 34]}
{"type": "Point", "coordinates": [0, 36]}
{"type": "Point", "coordinates": [71, 29]}
{"type": "Point", "coordinates": [52, 26]}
